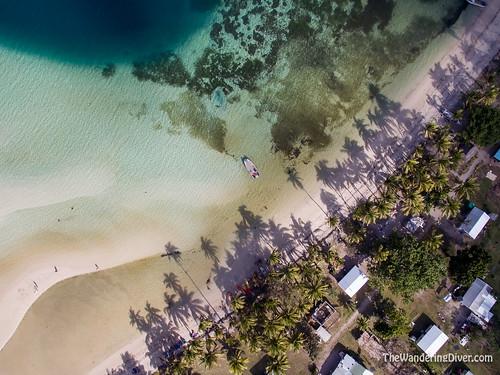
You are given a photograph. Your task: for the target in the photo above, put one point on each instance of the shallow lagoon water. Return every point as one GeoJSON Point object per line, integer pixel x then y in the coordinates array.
{"type": "Point", "coordinates": [90, 158]}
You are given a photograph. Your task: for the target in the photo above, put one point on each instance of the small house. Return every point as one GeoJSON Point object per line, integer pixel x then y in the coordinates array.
{"type": "Point", "coordinates": [475, 222]}
{"type": "Point", "coordinates": [348, 366]}
{"type": "Point", "coordinates": [353, 281]}
{"type": "Point", "coordinates": [432, 340]}
{"type": "Point", "coordinates": [479, 299]}
{"type": "Point", "coordinates": [323, 317]}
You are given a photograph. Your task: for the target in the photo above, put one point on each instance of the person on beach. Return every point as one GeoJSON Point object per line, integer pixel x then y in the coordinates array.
{"type": "Point", "coordinates": [55, 269]}
{"type": "Point", "coordinates": [36, 286]}
{"type": "Point", "coordinates": [208, 283]}
{"type": "Point", "coordinates": [96, 267]}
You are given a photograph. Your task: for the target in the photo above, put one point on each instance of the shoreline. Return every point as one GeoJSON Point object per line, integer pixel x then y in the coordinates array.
{"type": "Point", "coordinates": [412, 99]}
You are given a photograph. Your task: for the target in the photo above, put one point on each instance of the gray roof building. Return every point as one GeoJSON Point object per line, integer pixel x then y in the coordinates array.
{"type": "Point", "coordinates": [479, 299]}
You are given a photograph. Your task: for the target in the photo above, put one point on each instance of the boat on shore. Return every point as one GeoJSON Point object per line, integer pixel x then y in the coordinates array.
{"type": "Point", "coordinates": [478, 3]}
{"type": "Point", "coordinates": [250, 167]}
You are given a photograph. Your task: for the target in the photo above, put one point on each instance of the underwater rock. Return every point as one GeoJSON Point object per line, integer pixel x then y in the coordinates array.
{"type": "Point", "coordinates": [109, 70]}
{"type": "Point", "coordinates": [189, 112]}
{"type": "Point", "coordinates": [164, 68]}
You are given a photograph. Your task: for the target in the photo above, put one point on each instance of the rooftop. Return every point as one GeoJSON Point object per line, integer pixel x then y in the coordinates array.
{"type": "Point", "coordinates": [349, 366]}
{"type": "Point", "coordinates": [432, 341]}
{"type": "Point", "coordinates": [475, 222]}
{"type": "Point", "coordinates": [479, 299]}
{"type": "Point", "coordinates": [353, 281]}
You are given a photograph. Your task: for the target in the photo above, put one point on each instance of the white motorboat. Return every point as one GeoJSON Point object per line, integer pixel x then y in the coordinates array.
{"type": "Point", "coordinates": [250, 167]}
{"type": "Point", "coordinates": [478, 3]}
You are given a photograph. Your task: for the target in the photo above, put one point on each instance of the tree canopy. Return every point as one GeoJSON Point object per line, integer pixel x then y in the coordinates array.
{"type": "Point", "coordinates": [409, 265]}
{"type": "Point", "coordinates": [484, 125]}
{"type": "Point", "coordinates": [468, 264]}
{"type": "Point", "coordinates": [395, 321]}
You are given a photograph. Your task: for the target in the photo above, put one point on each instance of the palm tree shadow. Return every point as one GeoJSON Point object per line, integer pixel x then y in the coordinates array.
{"type": "Point", "coordinates": [129, 365]}
{"type": "Point", "coordinates": [209, 249]}
{"type": "Point", "coordinates": [171, 281]}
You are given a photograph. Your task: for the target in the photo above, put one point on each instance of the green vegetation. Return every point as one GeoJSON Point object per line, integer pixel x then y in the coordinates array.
{"type": "Point", "coordinates": [484, 125]}
{"type": "Point", "coordinates": [395, 321]}
{"type": "Point", "coordinates": [468, 264]}
{"type": "Point", "coordinates": [408, 265]}
{"type": "Point", "coordinates": [422, 183]}
{"type": "Point", "coordinates": [269, 318]}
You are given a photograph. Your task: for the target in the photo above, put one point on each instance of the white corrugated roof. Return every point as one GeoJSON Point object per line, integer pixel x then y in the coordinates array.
{"type": "Point", "coordinates": [353, 281]}
{"type": "Point", "coordinates": [475, 222]}
{"type": "Point", "coordinates": [432, 341]}
{"type": "Point", "coordinates": [349, 366]}
{"type": "Point", "coordinates": [323, 334]}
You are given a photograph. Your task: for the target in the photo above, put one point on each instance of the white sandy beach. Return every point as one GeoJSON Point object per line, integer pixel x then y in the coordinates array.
{"type": "Point", "coordinates": [472, 42]}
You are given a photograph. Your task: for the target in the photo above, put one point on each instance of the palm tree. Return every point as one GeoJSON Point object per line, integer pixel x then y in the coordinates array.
{"type": "Point", "coordinates": [274, 327]}
{"type": "Point", "coordinates": [278, 365]}
{"type": "Point", "coordinates": [332, 221]}
{"type": "Point", "coordinates": [370, 216]}
{"type": "Point", "coordinates": [275, 258]}
{"type": "Point", "coordinates": [441, 181]}
{"type": "Point", "coordinates": [355, 233]}
{"type": "Point", "coordinates": [450, 208]}
{"type": "Point", "coordinates": [209, 359]}
{"type": "Point", "coordinates": [178, 367]}
{"type": "Point", "coordinates": [237, 363]}
{"type": "Point", "coordinates": [316, 290]}
{"type": "Point", "coordinates": [255, 343]}
{"type": "Point", "coordinates": [426, 183]}
{"type": "Point", "coordinates": [435, 241]}
{"type": "Point", "coordinates": [247, 323]}
{"type": "Point", "coordinates": [383, 208]}
{"type": "Point", "coordinates": [297, 342]}
{"type": "Point", "coordinates": [333, 258]}
{"type": "Point", "coordinates": [190, 355]}
{"type": "Point", "coordinates": [455, 158]}
{"type": "Point", "coordinates": [292, 316]}
{"type": "Point", "coordinates": [393, 183]}
{"type": "Point", "coordinates": [467, 188]}
{"type": "Point", "coordinates": [276, 345]}
{"type": "Point", "coordinates": [443, 142]}
{"type": "Point", "coordinates": [363, 323]}
{"type": "Point", "coordinates": [411, 165]}
{"type": "Point", "coordinates": [413, 204]}
{"type": "Point", "coordinates": [430, 130]}
{"type": "Point", "coordinates": [289, 274]}
{"type": "Point", "coordinates": [443, 165]}
{"type": "Point", "coordinates": [205, 324]}
{"type": "Point", "coordinates": [238, 303]}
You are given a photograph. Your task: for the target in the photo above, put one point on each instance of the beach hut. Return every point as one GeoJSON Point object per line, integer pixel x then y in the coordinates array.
{"type": "Point", "coordinates": [479, 300]}
{"type": "Point", "coordinates": [353, 281]}
{"type": "Point", "coordinates": [474, 222]}
{"type": "Point", "coordinates": [348, 366]}
{"type": "Point", "coordinates": [432, 340]}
